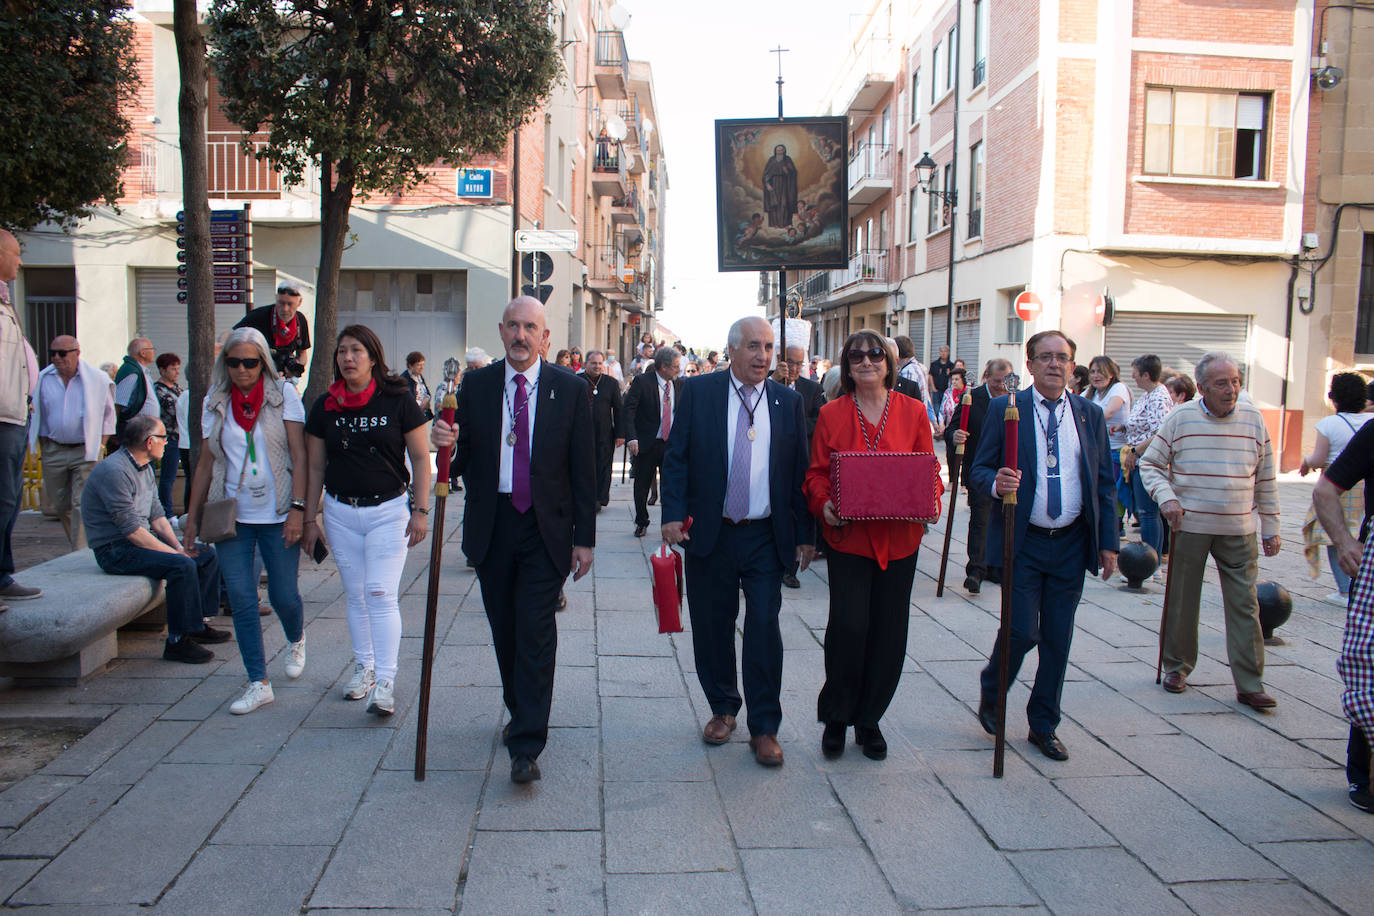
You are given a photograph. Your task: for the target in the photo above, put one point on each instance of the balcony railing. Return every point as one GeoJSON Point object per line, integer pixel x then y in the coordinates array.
{"type": "Point", "coordinates": [606, 265]}
{"type": "Point", "coordinates": [631, 201]}
{"type": "Point", "coordinates": [980, 71]}
{"type": "Point", "coordinates": [975, 223]}
{"type": "Point", "coordinates": [232, 173]}
{"type": "Point", "coordinates": [817, 286]}
{"type": "Point", "coordinates": [611, 52]}
{"type": "Point", "coordinates": [871, 161]}
{"type": "Point", "coordinates": [868, 266]}
{"type": "Point", "coordinates": [629, 113]}
{"type": "Point", "coordinates": [607, 157]}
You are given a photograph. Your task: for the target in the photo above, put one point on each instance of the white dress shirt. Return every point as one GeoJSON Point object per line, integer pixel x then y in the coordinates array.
{"type": "Point", "coordinates": [63, 409]}
{"type": "Point", "coordinates": [1070, 482]}
{"type": "Point", "coordinates": [760, 504]}
{"type": "Point", "coordinates": [527, 415]}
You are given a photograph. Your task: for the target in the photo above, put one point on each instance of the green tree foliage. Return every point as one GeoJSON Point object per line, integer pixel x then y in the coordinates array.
{"type": "Point", "coordinates": [373, 92]}
{"type": "Point", "coordinates": [66, 67]}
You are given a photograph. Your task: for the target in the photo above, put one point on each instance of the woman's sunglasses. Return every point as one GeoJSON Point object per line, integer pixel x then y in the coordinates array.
{"type": "Point", "coordinates": [874, 354]}
{"type": "Point", "coordinates": [251, 362]}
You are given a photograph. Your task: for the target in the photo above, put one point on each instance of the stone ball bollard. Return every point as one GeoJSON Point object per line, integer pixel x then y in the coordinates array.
{"type": "Point", "coordinates": [1275, 607]}
{"type": "Point", "coordinates": [1137, 563]}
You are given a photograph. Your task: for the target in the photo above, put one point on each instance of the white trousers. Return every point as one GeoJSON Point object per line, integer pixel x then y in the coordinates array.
{"type": "Point", "coordinates": [369, 546]}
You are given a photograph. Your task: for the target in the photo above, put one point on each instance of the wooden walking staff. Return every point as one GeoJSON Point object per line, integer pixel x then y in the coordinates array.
{"type": "Point", "coordinates": [955, 467]}
{"type": "Point", "coordinates": [1012, 418]}
{"type": "Point", "coordinates": [436, 549]}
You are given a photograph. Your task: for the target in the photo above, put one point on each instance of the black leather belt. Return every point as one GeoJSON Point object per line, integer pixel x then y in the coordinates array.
{"type": "Point", "coordinates": [53, 441]}
{"type": "Point", "coordinates": [744, 521]}
{"type": "Point", "coordinates": [1052, 532]}
{"type": "Point", "coordinates": [375, 499]}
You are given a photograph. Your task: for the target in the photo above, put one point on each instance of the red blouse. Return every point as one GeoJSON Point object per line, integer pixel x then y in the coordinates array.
{"type": "Point", "coordinates": [908, 430]}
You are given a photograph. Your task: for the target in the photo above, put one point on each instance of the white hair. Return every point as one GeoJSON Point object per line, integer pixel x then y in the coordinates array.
{"type": "Point", "coordinates": [1204, 364]}
{"type": "Point", "coordinates": [735, 339]}
{"type": "Point", "coordinates": [477, 355]}
{"type": "Point", "coordinates": [219, 375]}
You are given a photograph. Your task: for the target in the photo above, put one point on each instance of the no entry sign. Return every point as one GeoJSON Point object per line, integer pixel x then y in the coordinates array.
{"type": "Point", "coordinates": [1028, 306]}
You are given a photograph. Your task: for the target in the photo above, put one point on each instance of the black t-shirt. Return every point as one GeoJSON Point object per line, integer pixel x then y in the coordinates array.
{"type": "Point", "coordinates": [1355, 464]}
{"type": "Point", "coordinates": [260, 319]}
{"type": "Point", "coordinates": [939, 370]}
{"type": "Point", "coordinates": [365, 448]}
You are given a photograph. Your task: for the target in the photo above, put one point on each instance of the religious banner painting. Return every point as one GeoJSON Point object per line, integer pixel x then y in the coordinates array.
{"type": "Point", "coordinates": [781, 193]}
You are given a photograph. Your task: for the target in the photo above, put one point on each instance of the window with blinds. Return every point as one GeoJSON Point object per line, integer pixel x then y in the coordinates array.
{"type": "Point", "coordinates": [1206, 134]}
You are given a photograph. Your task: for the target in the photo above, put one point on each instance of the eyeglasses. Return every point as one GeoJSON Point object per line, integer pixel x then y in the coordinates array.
{"type": "Point", "coordinates": [60, 353]}
{"type": "Point", "coordinates": [1045, 359]}
{"type": "Point", "coordinates": [251, 362]}
{"type": "Point", "coordinates": [874, 354]}
{"type": "Point", "coordinates": [157, 436]}
{"type": "Point", "coordinates": [288, 291]}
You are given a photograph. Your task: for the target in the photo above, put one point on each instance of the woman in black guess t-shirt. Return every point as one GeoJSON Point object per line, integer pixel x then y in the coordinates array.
{"type": "Point", "coordinates": [357, 437]}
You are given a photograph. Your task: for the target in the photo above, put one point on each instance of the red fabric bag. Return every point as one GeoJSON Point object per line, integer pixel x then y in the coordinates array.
{"type": "Point", "coordinates": [900, 486]}
{"type": "Point", "coordinates": [667, 567]}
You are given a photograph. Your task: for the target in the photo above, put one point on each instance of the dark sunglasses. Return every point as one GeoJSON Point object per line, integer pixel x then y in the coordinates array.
{"type": "Point", "coordinates": [233, 362]}
{"type": "Point", "coordinates": [874, 354]}
{"type": "Point", "coordinates": [288, 291]}
{"type": "Point", "coordinates": [60, 353]}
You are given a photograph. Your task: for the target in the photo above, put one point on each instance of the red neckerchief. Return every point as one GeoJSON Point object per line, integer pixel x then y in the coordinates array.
{"type": "Point", "coordinates": [283, 335]}
{"type": "Point", "coordinates": [340, 398]}
{"type": "Point", "coordinates": [246, 407]}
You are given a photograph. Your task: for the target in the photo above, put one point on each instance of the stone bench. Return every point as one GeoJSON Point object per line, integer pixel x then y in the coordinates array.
{"type": "Point", "coordinates": [68, 633]}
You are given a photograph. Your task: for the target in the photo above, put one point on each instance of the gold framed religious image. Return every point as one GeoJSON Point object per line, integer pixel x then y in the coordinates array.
{"type": "Point", "coordinates": [781, 193]}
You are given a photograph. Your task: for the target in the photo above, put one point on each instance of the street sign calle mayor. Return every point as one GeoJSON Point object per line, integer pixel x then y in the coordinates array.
{"type": "Point", "coordinates": [474, 182]}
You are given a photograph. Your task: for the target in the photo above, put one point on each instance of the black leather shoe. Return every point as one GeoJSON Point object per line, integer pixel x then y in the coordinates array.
{"type": "Point", "coordinates": [640, 529]}
{"type": "Point", "coordinates": [972, 585]}
{"type": "Point", "coordinates": [870, 737]}
{"type": "Point", "coordinates": [211, 636]}
{"type": "Point", "coordinates": [524, 769]}
{"type": "Point", "coordinates": [832, 740]}
{"type": "Point", "coordinates": [1049, 745]}
{"type": "Point", "coordinates": [987, 715]}
{"type": "Point", "coordinates": [790, 580]}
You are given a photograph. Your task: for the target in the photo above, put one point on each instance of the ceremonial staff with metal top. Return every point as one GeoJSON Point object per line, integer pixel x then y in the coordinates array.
{"type": "Point", "coordinates": [955, 466]}
{"type": "Point", "coordinates": [1012, 420]}
{"type": "Point", "coordinates": [436, 550]}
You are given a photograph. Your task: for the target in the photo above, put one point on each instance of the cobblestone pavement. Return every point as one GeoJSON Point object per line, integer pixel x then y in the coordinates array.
{"type": "Point", "coordinates": [1169, 804]}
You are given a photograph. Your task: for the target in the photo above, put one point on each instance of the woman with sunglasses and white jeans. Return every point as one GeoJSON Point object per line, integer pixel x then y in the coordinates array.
{"type": "Point", "coordinates": [254, 452]}
{"type": "Point", "coordinates": [357, 439]}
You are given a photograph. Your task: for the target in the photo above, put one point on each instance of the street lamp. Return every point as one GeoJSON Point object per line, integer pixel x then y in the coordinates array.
{"type": "Point", "coordinates": [925, 174]}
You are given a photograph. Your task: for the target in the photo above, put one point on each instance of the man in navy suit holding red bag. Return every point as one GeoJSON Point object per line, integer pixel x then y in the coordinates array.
{"type": "Point", "coordinates": [735, 461]}
{"type": "Point", "coordinates": [1065, 525]}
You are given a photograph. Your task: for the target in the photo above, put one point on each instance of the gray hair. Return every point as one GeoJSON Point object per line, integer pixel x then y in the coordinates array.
{"type": "Point", "coordinates": [664, 357]}
{"type": "Point", "coordinates": [134, 347]}
{"type": "Point", "coordinates": [137, 430]}
{"type": "Point", "coordinates": [830, 383]}
{"type": "Point", "coordinates": [996, 363]}
{"type": "Point", "coordinates": [1204, 364]}
{"type": "Point", "coordinates": [735, 339]}
{"type": "Point", "coordinates": [219, 374]}
{"type": "Point", "coordinates": [477, 355]}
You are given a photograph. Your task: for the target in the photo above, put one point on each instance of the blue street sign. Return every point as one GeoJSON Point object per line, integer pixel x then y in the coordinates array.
{"type": "Point", "coordinates": [474, 182]}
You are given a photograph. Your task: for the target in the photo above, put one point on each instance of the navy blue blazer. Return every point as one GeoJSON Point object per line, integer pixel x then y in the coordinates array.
{"type": "Point", "coordinates": [1094, 472]}
{"type": "Point", "coordinates": [695, 469]}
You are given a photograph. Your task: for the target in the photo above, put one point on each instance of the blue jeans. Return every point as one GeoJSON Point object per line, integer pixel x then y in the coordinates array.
{"type": "Point", "coordinates": [1342, 580]}
{"type": "Point", "coordinates": [14, 445]}
{"type": "Point", "coordinates": [167, 476]}
{"type": "Point", "coordinates": [1147, 510]}
{"type": "Point", "coordinates": [241, 577]}
{"type": "Point", "coordinates": [192, 582]}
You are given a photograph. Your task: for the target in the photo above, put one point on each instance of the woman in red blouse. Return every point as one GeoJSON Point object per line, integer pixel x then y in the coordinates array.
{"type": "Point", "coordinates": [871, 563]}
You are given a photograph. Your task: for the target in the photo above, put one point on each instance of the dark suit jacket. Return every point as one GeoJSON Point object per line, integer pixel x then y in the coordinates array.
{"type": "Point", "coordinates": [562, 468]}
{"type": "Point", "coordinates": [812, 399]}
{"type": "Point", "coordinates": [977, 413]}
{"type": "Point", "coordinates": [1094, 471]}
{"type": "Point", "coordinates": [907, 387]}
{"type": "Point", "coordinates": [695, 470]}
{"type": "Point", "coordinates": [644, 406]}
{"type": "Point", "coordinates": [608, 410]}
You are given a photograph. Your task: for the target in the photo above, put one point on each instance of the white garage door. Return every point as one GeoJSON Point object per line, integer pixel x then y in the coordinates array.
{"type": "Point", "coordinates": [162, 319]}
{"type": "Point", "coordinates": [966, 330]}
{"type": "Point", "coordinates": [939, 333]}
{"type": "Point", "coordinates": [1178, 340]}
{"type": "Point", "coordinates": [409, 310]}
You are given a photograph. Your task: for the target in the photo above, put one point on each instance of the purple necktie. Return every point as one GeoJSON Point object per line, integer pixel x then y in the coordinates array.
{"type": "Point", "coordinates": [737, 490]}
{"type": "Point", "coordinates": [520, 464]}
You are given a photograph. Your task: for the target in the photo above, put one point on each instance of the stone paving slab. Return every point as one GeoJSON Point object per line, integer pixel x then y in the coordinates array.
{"type": "Point", "coordinates": [829, 880]}
{"type": "Point", "coordinates": [666, 827]}
{"type": "Point", "coordinates": [535, 871]}
{"type": "Point", "coordinates": [1095, 881]}
{"type": "Point", "coordinates": [63, 820]}
{"type": "Point", "coordinates": [697, 894]}
{"type": "Point", "coordinates": [231, 880]}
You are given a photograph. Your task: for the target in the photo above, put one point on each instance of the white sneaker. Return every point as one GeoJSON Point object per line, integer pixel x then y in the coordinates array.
{"type": "Point", "coordinates": [1338, 598]}
{"type": "Point", "coordinates": [383, 701]}
{"type": "Point", "coordinates": [361, 683]}
{"type": "Point", "coordinates": [295, 658]}
{"type": "Point", "coordinates": [259, 693]}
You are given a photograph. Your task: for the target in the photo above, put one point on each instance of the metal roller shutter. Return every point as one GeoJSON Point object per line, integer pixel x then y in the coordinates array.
{"type": "Point", "coordinates": [939, 333]}
{"type": "Point", "coordinates": [1178, 340]}
{"type": "Point", "coordinates": [966, 331]}
{"type": "Point", "coordinates": [916, 330]}
{"type": "Point", "coordinates": [162, 319]}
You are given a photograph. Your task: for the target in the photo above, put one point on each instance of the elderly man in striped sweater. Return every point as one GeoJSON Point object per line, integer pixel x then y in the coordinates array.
{"type": "Point", "coordinates": [1210, 467]}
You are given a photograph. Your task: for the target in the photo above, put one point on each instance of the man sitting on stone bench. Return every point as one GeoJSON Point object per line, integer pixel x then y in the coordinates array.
{"type": "Point", "coordinates": [131, 536]}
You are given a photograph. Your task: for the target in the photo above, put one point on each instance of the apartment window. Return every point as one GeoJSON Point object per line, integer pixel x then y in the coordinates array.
{"type": "Point", "coordinates": [935, 69]}
{"type": "Point", "coordinates": [975, 189]}
{"type": "Point", "coordinates": [562, 171]}
{"type": "Point", "coordinates": [980, 41]}
{"type": "Point", "coordinates": [1203, 134]}
{"type": "Point", "coordinates": [1364, 309]}
{"type": "Point", "coordinates": [912, 229]}
{"type": "Point", "coordinates": [1015, 332]}
{"type": "Point", "coordinates": [949, 58]}
{"type": "Point", "coordinates": [937, 217]}
{"type": "Point", "coordinates": [885, 134]}
{"type": "Point", "coordinates": [882, 230]}
{"type": "Point", "coordinates": [868, 231]}
{"type": "Point", "coordinates": [915, 96]}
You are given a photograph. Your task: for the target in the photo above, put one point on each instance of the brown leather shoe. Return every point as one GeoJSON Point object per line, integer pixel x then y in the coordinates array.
{"type": "Point", "coordinates": [1257, 700]}
{"type": "Point", "coordinates": [1175, 682]}
{"type": "Point", "coordinates": [767, 751]}
{"type": "Point", "coordinates": [718, 730]}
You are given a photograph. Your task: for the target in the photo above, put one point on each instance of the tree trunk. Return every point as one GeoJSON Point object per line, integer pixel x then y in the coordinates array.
{"type": "Point", "coordinates": [336, 199]}
{"type": "Point", "coordinates": [200, 286]}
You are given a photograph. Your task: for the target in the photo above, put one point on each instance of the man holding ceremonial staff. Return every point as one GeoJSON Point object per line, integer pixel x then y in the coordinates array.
{"type": "Point", "coordinates": [1064, 523]}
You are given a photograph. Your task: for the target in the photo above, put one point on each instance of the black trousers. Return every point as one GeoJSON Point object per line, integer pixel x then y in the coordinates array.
{"type": "Point", "coordinates": [745, 559]}
{"type": "Point", "coordinates": [865, 637]}
{"type": "Point", "coordinates": [520, 588]}
{"type": "Point", "coordinates": [979, 503]}
{"type": "Point", "coordinates": [605, 459]}
{"type": "Point", "coordinates": [1357, 759]}
{"type": "Point", "coordinates": [647, 463]}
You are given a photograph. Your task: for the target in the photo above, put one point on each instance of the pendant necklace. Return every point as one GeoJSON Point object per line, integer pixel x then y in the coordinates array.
{"type": "Point", "coordinates": [739, 392]}
{"type": "Point", "coordinates": [1052, 460]}
{"type": "Point", "coordinates": [514, 416]}
{"type": "Point", "coordinates": [882, 424]}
